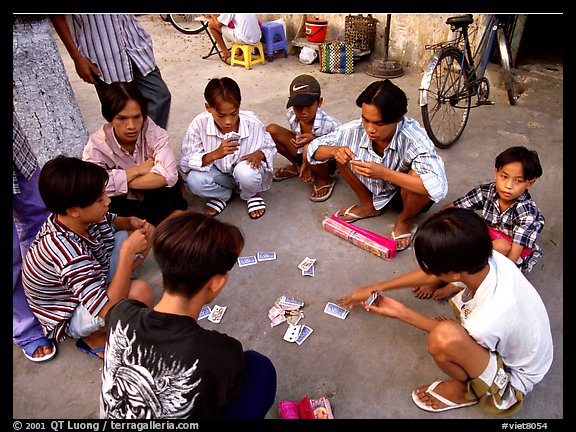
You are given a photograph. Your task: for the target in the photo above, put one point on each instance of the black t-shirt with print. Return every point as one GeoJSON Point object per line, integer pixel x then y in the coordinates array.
{"type": "Point", "coordinates": [160, 365]}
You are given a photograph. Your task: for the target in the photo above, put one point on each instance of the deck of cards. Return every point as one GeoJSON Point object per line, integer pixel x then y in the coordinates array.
{"type": "Point", "coordinates": [335, 310]}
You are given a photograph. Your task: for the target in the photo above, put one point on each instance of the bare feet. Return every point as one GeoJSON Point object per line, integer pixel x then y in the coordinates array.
{"type": "Point", "coordinates": [424, 291]}
{"type": "Point", "coordinates": [446, 292]}
{"type": "Point", "coordinates": [42, 351]}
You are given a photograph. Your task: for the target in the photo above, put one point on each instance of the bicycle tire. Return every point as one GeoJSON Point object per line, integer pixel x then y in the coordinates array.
{"type": "Point", "coordinates": [509, 82]}
{"type": "Point", "coordinates": [186, 23]}
{"type": "Point", "coordinates": [444, 113]}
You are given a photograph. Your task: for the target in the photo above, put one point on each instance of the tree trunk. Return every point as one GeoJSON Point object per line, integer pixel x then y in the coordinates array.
{"type": "Point", "coordinates": [42, 94]}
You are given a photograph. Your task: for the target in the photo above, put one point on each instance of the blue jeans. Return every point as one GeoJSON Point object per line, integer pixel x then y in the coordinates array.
{"type": "Point", "coordinates": [28, 215]}
{"type": "Point", "coordinates": [258, 391]}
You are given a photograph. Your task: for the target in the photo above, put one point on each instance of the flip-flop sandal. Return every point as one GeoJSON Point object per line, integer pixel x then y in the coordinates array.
{"type": "Point", "coordinates": [29, 349]}
{"type": "Point", "coordinates": [324, 197]}
{"type": "Point", "coordinates": [256, 203]}
{"type": "Point", "coordinates": [354, 216]}
{"type": "Point", "coordinates": [449, 404]}
{"type": "Point", "coordinates": [85, 348]}
{"type": "Point", "coordinates": [409, 235]}
{"type": "Point", "coordinates": [217, 205]}
{"type": "Point", "coordinates": [285, 173]}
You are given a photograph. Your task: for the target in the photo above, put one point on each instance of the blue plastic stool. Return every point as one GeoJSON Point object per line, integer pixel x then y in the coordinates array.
{"type": "Point", "coordinates": [274, 40]}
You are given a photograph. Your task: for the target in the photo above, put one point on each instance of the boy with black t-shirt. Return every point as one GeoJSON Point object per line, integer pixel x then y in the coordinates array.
{"type": "Point", "coordinates": [159, 362]}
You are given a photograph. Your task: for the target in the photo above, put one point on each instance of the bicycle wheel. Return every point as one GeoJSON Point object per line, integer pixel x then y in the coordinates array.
{"type": "Point", "coordinates": [444, 99]}
{"type": "Point", "coordinates": [505, 64]}
{"type": "Point", "coordinates": [187, 23]}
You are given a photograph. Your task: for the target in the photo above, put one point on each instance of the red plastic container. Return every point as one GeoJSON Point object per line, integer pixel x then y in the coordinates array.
{"type": "Point", "coordinates": [316, 30]}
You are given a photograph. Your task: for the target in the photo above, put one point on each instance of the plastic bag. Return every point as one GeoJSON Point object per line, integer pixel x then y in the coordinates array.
{"type": "Point", "coordinates": [308, 55]}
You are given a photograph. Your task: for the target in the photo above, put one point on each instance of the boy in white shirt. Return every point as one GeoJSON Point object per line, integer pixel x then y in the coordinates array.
{"type": "Point", "coordinates": [493, 354]}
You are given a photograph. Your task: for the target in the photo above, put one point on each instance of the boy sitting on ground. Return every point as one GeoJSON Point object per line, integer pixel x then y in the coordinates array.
{"type": "Point", "coordinates": [81, 260]}
{"type": "Point", "coordinates": [307, 121]}
{"type": "Point", "coordinates": [173, 367]}
{"type": "Point", "coordinates": [513, 218]}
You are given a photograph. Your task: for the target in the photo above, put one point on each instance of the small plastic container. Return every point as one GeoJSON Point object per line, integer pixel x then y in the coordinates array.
{"type": "Point", "coordinates": [316, 30]}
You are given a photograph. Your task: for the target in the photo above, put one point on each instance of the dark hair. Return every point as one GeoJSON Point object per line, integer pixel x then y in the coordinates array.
{"type": "Point", "coordinates": [453, 240]}
{"type": "Point", "coordinates": [528, 158]}
{"type": "Point", "coordinates": [117, 95]}
{"type": "Point", "coordinates": [222, 90]}
{"type": "Point", "coordinates": [191, 247]}
{"type": "Point", "coordinates": [67, 182]}
{"type": "Point", "coordinates": [390, 100]}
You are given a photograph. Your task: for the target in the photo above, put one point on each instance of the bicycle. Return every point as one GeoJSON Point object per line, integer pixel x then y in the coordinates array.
{"type": "Point", "coordinates": [455, 74]}
{"type": "Point", "coordinates": [187, 23]}
{"type": "Point", "coordinates": [191, 24]}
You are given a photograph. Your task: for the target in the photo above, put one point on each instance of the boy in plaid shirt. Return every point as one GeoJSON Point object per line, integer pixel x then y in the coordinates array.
{"type": "Point", "coordinates": [513, 218]}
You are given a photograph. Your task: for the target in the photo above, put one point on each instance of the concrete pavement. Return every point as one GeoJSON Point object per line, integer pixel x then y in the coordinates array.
{"type": "Point", "coordinates": [366, 365]}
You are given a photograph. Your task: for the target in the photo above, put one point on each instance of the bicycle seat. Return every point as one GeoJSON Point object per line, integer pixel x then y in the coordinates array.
{"type": "Point", "coordinates": [460, 21]}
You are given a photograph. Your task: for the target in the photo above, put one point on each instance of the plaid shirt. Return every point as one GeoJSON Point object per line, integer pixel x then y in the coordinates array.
{"type": "Point", "coordinates": [324, 123]}
{"type": "Point", "coordinates": [410, 148]}
{"type": "Point", "coordinates": [522, 221]}
{"type": "Point", "coordinates": [24, 160]}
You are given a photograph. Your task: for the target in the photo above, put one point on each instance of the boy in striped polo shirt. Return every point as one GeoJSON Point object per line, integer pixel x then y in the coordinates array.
{"type": "Point", "coordinates": [81, 261]}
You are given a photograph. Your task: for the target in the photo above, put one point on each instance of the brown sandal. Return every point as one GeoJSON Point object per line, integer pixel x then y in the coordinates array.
{"type": "Point", "coordinates": [285, 173]}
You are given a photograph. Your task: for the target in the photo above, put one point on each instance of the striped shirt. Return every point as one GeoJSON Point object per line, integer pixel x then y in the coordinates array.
{"type": "Point", "coordinates": [24, 160]}
{"type": "Point", "coordinates": [103, 149]}
{"type": "Point", "coordinates": [111, 41]}
{"type": "Point", "coordinates": [522, 221]}
{"type": "Point", "coordinates": [63, 269]}
{"type": "Point", "coordinates": [324, 123]}
{"type": "Point", "coordinates": [203, 136]}
{"type": "Point", "coordinates": [410, 148]}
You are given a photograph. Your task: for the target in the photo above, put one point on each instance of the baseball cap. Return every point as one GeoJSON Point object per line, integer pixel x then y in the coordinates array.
{"type": "Point", "coordinates": [304, 91]}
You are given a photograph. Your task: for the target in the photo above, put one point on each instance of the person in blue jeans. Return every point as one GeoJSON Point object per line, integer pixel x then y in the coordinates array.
{"type": "Point", "coordinates": [159, 362]}
{"type": "Point", "coordinates": [28, 215]}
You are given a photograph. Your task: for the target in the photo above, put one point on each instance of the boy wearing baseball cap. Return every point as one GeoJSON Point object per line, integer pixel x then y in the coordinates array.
{"type": "Point", "coordinates": [307, 121]}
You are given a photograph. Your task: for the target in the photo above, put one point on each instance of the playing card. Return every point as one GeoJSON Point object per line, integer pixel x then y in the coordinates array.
{"type": "Point", "coordinates": [246, 261]}
{"type": "Point", "coordinates": [204, 312]}
{"type": "Point", "coordinates": [306, 263]}
{"type": "Point", "coordinates": [304, 333]}
{"type": "Point", "coordinates": [232, 135]}
{"type": "Point", "coordinates": [278, 319]}
{"type": "Point", "coordinates": [292, 333]}
{"type": "Point", "coordinates": [309, 272]}
{"type": "Point", "coordinates": [294, 318]}
{"type": "Point", "coordinates": [289, 303]}
{"type": "Point", "coordinates": [371, 299]}
{"type": "Point", "coordinates": [216, 314]}
{"type": "Point", "coordinates": [266, 256]}
{"type": "Point", "coordinates": [335, 310]}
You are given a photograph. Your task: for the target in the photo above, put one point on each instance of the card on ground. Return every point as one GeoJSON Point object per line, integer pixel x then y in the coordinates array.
{"type": "Point", "coordinates": [216, 314]}
{"type": "Point", "coordinates": [204, 312]}
{"type": "Point", "coordinates": [306, 263]}
{"type": "Point", "coordinates": [266, 256]}
{"type": "Point", "coordinates": [304, 333]}
{"type": "Point", "coordinates": [246, 261]}
{"type": "Point", "coordinates": [309, 272]}
{"type": "Point", "coordinates": [335, 310]}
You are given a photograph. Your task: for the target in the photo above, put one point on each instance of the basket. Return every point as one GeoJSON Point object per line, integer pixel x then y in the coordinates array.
{"type": "Point", "coordinates": [360, 31]}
